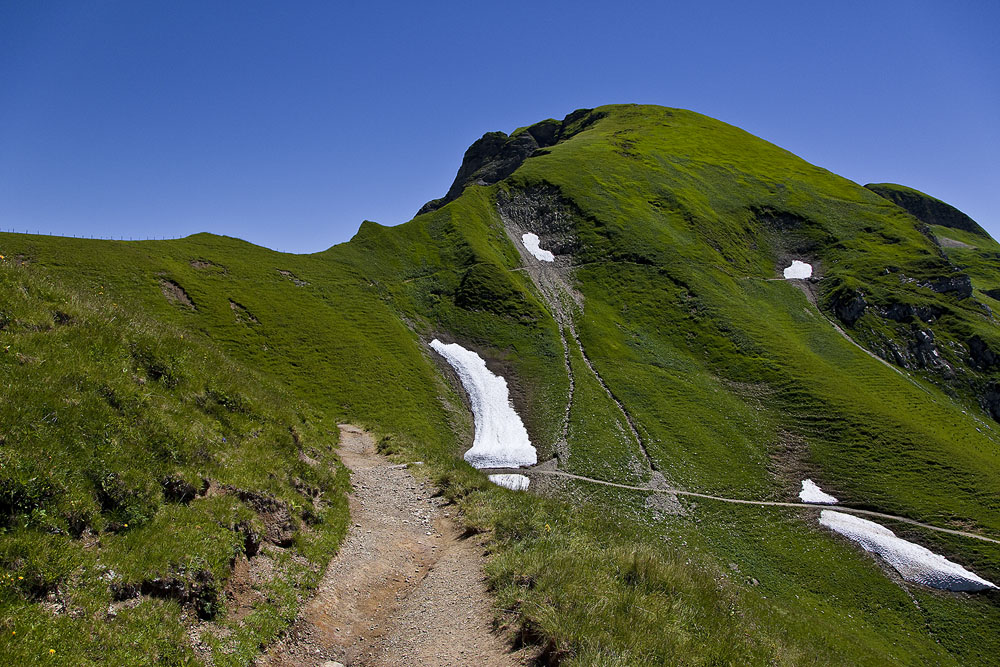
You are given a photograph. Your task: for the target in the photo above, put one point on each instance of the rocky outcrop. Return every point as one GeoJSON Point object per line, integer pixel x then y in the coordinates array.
{"type": "Point", "coordinates": [922, 348]}
{"type": "Point", "coordinates": [914, 349]}
{"type": "Point", "coordinates": [849, 306]}
{"type": "Point", "coordinates": [905, 312]}
{"type": "Point", "coordinates": [991, 400]}
{"type": "Point", "coordinates": [542, 210]}
{"type": "Point", "coordinates": [495, 156]}
{"type": "Point", "coordinates": [959, 285]}
{"type": "Point", "coordinates": [925, 208]}
{"type": "Point", "coordinates": [983, 358]}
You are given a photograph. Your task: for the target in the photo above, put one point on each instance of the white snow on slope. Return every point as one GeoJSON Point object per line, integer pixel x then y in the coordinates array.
{"type": "Point", "coordinates": [798, 270]}
{"type": "Point", "coordinates": [912, 561]}
{"type": "Point", "coordinates": [512, 482]}
{"type": "Point", "coordinates": [501, 440]}
{"type": "Point", "coordinates": [530, 242]}
{"type": "Point", "coordinates": [811, 493]}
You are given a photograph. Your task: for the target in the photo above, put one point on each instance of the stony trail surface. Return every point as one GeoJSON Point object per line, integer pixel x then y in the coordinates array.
{"type": "Point", "coordinates": [405, 587]}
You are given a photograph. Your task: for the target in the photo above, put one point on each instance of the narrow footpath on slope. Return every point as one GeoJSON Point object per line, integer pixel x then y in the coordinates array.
{"type": "Point", "coordinates": [528, 472]}
{"type": "Point", "coordinates": [405, 587]}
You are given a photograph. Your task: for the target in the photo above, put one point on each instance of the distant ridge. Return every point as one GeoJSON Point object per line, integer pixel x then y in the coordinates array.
{"type": "Point", "coordinates": [927, 209]}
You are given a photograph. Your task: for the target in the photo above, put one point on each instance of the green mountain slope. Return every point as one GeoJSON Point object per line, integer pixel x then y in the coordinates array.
{"type": "Point", "coordinates": [661, 348]}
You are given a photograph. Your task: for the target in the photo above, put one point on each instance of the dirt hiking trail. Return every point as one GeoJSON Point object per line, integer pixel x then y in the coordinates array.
{"type": "Point", "coordinates": [405, 587]}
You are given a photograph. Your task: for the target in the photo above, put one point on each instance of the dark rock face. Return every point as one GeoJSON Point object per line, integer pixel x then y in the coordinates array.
{"type": "Point", "coordinates": [898, 312]}
{"type": "Point", "coordinates": [495, 156]}
{"type": "Point", "coordinates": [925, 208]}
{"type": "Point", "coordinates": [849, 307]}
{"type": "Point", "coordinates": [921, 352]}
{"type": "Point", "coordinates": [922, 348]}
{"type": "Point", "coordinates": [251, 539]}
{"type": "Point", "coordinates": [991, 400]}
{"type": "Point", "coordinates": [891, 353]}
{"type": "Point", "coordinates": [904, 312]}
{"type": "Point", "coordinates": [982, 356]}
{"type": "Point", "coordinates": [959, 285]}
{"type": "Point", "coordinates": [542, 211]}
{"type": "Point", "coordinates": [197, 588]}
{"type": "Point", "coordinates": [546, 133]}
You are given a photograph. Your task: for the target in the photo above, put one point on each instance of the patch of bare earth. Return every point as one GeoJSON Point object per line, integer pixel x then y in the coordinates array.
{"type": "Point", "coordinates": [175, 294]}
{"type": "Point", "coordinates": [294, 278]}
{"type": "Point", "coordinates": [243, 314]}
{"type": "Point", "coordinates": [405, 589]}
{"type": "Point", "coordinates": [952, 243]}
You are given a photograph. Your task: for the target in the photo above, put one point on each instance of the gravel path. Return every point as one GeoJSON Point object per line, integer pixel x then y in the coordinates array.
{"type": "Point", "coordinates": [405, 587]}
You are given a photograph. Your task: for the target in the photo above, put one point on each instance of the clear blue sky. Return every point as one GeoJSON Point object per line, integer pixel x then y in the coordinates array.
{"type": "Point", "coordinates": [288, 123]}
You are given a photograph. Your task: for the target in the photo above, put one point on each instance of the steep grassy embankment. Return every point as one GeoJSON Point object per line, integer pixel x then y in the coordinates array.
{"type": "Point", "coordinates": [673, 229]}
{"type": "Point", "coordinates": [138, 466]}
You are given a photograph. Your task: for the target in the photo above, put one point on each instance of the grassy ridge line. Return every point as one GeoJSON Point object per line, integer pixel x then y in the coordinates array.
{"type": "Point", "coordinates": [333, 341]}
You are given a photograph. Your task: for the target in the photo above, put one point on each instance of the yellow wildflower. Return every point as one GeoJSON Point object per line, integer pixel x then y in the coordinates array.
{"type": "Point", "coordinates": [52, 651]}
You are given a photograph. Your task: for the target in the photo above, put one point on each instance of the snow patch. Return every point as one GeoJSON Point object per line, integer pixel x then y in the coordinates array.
{"type": "Point", "coordinates": [811, 493]}
{"type": "Point", "coordinates": [512, 482]}
{"type": "Point", "coordinates": [501, 440]}
{"type": "Point", "coordinates": [798, 270]}
{"type": "Point", "coordinates": [530, 242]}
{"type": "Point", "coordinates": [913, 562]}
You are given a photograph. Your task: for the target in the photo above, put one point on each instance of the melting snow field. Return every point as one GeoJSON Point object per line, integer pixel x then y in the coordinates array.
{"type": "Point", "coordinates": [798, 270]}
{"type": "Point", "coordinates": [811, 493]}
{"type": "Point", "coordinates": [513, 482]}
{"type": "Point", "coordinates": [912, 561]}
{"type": "Point", "coordinates": [501, 440]}
{"type": "Point", "coordinates": [530, 242]}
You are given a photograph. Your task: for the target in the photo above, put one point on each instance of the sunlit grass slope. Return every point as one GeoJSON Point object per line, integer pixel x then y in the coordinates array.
{"type": "Point", "coordinates": [137, 459]}
{"type": "Point", "coordinates": [738, 384]}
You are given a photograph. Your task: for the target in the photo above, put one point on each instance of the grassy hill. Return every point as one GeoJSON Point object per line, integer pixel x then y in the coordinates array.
{"type": "Point", "coordinates": [689, 359]}
{"type": "Point", "coordinates": [139, 468]}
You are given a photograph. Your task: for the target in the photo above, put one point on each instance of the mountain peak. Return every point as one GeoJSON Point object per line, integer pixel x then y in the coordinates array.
{"type": "Point", "coordinates": [495, 156]}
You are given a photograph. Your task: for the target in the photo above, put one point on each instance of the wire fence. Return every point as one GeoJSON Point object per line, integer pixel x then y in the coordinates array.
{"type": "Point", "coordinates": [29, 231]}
